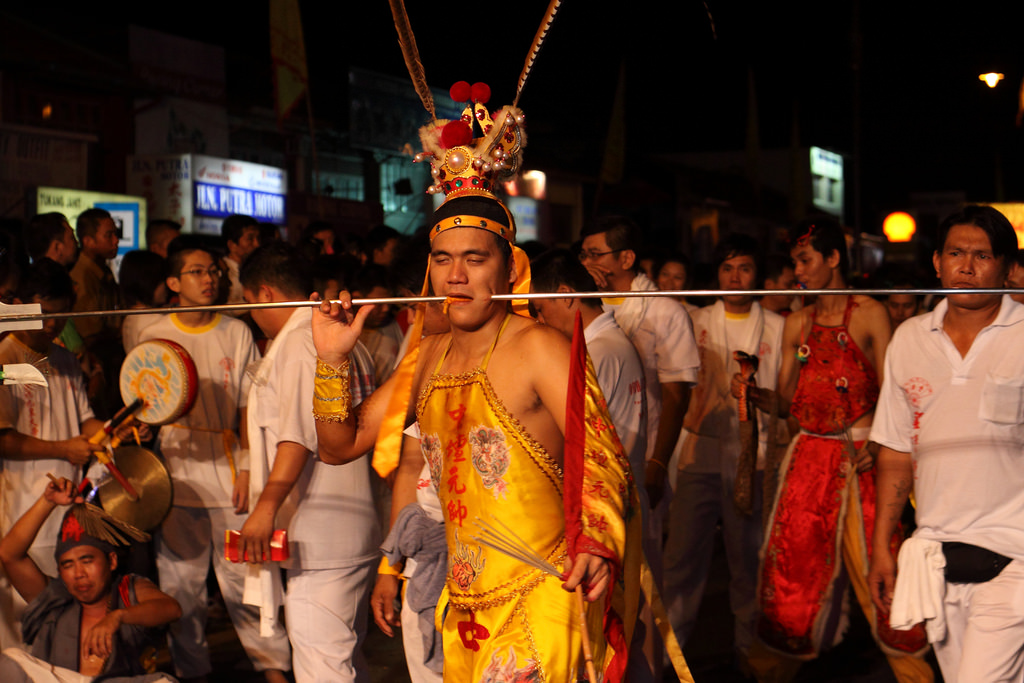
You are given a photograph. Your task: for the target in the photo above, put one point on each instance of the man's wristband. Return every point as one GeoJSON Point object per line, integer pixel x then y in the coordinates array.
{"type": "Point", "coordinates": [387, 568]}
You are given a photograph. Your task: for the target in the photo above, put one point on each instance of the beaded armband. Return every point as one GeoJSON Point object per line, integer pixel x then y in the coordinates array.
{"type": "Point", "coordinates": [331, 396]}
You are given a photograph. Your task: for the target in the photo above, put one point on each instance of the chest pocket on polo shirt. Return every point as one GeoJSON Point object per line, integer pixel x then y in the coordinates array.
{"type": "Point", "coordinates": [1002, 400]}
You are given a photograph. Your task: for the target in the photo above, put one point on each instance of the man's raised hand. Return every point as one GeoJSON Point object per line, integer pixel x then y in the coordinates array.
{"type": "Point", "coordinates": [336, 328]}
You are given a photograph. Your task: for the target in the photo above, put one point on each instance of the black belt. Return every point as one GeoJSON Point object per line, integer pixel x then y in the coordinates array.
{"type": "Point", "coordinates": [966, 563]}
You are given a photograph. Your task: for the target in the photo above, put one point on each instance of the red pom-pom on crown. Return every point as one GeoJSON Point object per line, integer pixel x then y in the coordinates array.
{"type": "Point", "coordinates": [481, 93]}
{"type": "Point", "coordinates": [456, 133]}
{"type": "Point", "coordinates": [461, 92]}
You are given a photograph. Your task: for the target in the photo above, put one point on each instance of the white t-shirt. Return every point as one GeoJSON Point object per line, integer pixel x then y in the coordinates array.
{"type": "Point", "coordinates": [660, 329]}
{"type": "Point", "coordinates": [710, 439]}
{"type": "Point", "coordinates": [54, 412]}
{"type": "Point", "coordinates": [194, 450]}
{"type": "Point", "coordinates": [131, 330]}
{"type": "Point", "coordinates": [621, 377]}
{"type": "Point", "coordinates": [962, 419]}
{"type": "Point", "coordinates": [330, 515]}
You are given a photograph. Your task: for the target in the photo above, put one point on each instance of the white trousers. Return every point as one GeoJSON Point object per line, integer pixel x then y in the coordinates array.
{"type": "Point", "coordinates": [700, 500]}
{"type": "Point", "coordinates": [326, 611]}
{"type": "Point", "coordinates": [984, 640]}
{"type": "Point", "coordinates": [184, 545]}
{"type": "Point", "coordinates": [412, 642]}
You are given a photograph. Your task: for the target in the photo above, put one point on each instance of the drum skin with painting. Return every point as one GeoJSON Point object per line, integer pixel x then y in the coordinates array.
{"type": "Point", "coordinates": [162, 373]}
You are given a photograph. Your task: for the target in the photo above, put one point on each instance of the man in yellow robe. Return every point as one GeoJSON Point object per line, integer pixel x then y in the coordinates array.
{"type": "Point", "coordinates": [492, 411]}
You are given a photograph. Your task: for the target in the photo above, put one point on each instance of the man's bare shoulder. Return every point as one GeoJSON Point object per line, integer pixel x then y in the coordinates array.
{"type": "Point", "coordinates": [435, 343]}
{"type": "Point", "coordinates": [432, 347]}
{"type": "Point", "coordinates": [871, 311]}
{"type": "Point", "coordinates": [534, 351]}
{"type": "Point", "coordinates": [536, 337]}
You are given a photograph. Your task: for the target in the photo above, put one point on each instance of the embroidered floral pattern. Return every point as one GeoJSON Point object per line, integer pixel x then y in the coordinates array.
{"type": "Point", "coordinates": [490, 457]}
{"type": "Point", "coordinates": [502, 670]}
{"type": "Point", "coordinates": [430, 444]}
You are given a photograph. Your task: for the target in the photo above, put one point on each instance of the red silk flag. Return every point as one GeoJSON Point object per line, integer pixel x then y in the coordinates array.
{"type": "Point", "coordinates": [599, 502]}
{"type": "Point", "coordinates": [288, 56]}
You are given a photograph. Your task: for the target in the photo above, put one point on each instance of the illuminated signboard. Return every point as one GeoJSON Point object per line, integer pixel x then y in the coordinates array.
{"type": "Point", "coordinates": [128, 212]}
{"type": "Point", "coordinates": [827, 181]}
{"type": "Point", "coordinates": [524, 210]}
{"type": "Point", "coordinates": [200, 191]}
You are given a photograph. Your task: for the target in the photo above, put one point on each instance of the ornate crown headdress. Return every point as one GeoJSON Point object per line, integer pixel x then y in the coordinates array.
{"type": "Point", "coordinates": [470, 155]}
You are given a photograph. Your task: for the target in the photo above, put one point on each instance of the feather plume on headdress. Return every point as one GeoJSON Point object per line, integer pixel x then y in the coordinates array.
{"type": "Point", "coordinates": [411, 53]}
{"type": "Point", "coordinates": [538, 40]}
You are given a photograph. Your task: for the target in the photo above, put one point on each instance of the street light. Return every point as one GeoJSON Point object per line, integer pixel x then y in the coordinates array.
{"type": "Point", "coordinates": [899, 226]}
{"type": "Point", "coordinates": [991, 79]}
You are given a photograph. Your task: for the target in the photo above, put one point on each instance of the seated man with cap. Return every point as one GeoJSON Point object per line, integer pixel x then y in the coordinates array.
{"type": "Point", "coordinates": [91, 621]}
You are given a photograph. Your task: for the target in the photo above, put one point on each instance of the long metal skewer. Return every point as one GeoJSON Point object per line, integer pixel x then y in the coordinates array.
{"type": "Point", "coordinates": [32, 317]}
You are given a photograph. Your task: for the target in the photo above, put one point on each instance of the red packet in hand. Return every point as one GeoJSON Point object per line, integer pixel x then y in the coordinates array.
{"type": "Point", "coordinates": [278, 546]}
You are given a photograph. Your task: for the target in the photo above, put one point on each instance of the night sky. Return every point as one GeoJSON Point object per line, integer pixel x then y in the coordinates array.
{"type": "Point", "coordinates": [927, 124]}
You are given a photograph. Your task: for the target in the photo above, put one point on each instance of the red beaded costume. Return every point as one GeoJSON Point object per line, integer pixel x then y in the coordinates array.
{"type": "Point", "coordinates": [804, 547]}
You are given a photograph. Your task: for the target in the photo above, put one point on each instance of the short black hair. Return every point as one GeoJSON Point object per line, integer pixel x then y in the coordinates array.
{"type": "Point", "coordinates": [47, 280]}
{"type": "Point", "coordinates": [89, 222]}
{"type": "Point", "coordinates": [234, 226]}
{"type": "Point", "coordinates": [140, 274]}
{"type": "Point", "coordinates": [826, 236]}
{"type": "Point", "coordinates": [999, 230]}
{"type": "Point", "coordinates": [733, 245]}
{"type": "Point", "coordinates": [269, 233]}
{"type": "Point", "coordinates": [278, 265]}
{"type": "Point", "coordinates": [340, 267]}
{"type": "Point", "coordinates": [43, 230]}
{"type": "Point", "coordinates": [557, 267]}
{"type": "Point", "coordinates": [776, 264]}
{"type": "Point", "coordinates": [309, 244]}
{"type": "Point", "coordinates": [180, 247]}
{"type": "Point", "coordinates": [378, 236]}
{"type": "Point", "coordinates": [672, 257]}
{"type": "Point", "coordinates": [369, 276]}
{"type": "Point", "coordinates": [159, 226]}
{"type": "Point", "coordinates": [409, 267]}
{"type": "Point", "coordinates": [621, 233]}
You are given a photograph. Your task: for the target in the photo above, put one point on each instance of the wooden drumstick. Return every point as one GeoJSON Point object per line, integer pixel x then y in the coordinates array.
{"type": "Point", "coordinates": [588, 655]}
{"type": "Point", "coordinates": [104, 432]}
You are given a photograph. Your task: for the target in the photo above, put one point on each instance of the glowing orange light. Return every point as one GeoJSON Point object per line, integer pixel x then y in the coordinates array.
{"type": "Point", "coordinates": [991, 79]}
{"type": "Point", "coordinates": [899, 226]}
{"type": "Point", "coordinates": [47, 111]}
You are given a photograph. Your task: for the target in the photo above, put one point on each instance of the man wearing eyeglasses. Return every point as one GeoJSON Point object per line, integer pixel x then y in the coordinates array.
{"type": "Point", "coordinates": [661, 331]}
{"type": "Point", "coordinates": [208, 456]}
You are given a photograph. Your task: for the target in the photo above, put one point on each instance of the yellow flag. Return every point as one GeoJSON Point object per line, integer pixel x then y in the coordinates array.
{"type": "Point", "coordinates": [288, 54]}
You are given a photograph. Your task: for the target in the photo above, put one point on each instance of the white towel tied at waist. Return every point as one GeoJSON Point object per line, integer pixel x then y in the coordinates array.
{"type": "Point", "coordinates": [920, 588]}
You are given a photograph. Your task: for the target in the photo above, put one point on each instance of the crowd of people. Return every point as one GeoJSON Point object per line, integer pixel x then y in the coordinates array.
{"type": "Point", "coordinates": [798, 426]}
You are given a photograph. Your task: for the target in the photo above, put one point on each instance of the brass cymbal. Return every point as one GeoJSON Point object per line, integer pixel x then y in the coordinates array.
{"type": "Point", "coordinates": [150, 477]}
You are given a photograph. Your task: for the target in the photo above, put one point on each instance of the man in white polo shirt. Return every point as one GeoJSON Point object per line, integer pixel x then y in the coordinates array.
{"type": "Point", "coordinates": [712, 466]}
{"type": "Point", "coordinates": [950, 425]}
